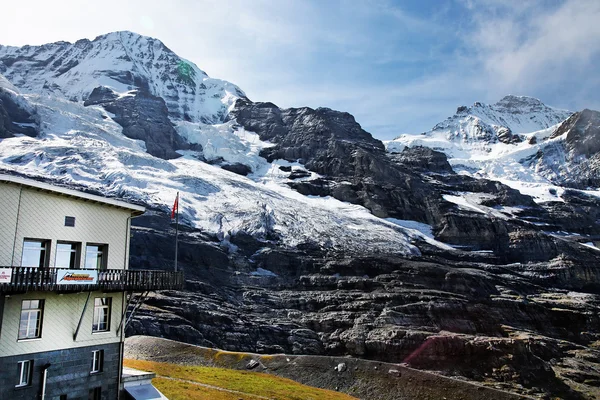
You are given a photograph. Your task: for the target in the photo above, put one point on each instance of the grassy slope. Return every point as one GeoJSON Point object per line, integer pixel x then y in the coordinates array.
{"type": "Point", "coordinates": [251, 383]}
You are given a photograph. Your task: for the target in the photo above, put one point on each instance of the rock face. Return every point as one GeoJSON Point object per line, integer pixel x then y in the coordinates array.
{"type": "Point", "coordinates": [579, 148]}
{"type": "Point", "coordinates": [424, 159]}
{"type": "Point", "coordinates": [332, 144]}
{"type": "Point", "coordinates": [485, 315]}
{"type": "Point", "coordinates": [16, 115]}
{"type": "Point", "coordinates": [143, 117]}
{"type": "Point", "coordinates": [305, 235]}
{"type": "Point", "coordinates": [480, 319]}
{"type": "Point", "coordinates": [583, 133]}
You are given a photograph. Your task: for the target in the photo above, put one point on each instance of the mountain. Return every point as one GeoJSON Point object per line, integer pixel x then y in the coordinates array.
{"type": "Point", "coordinates": [572, 155]}
{"type": "Point", "coordinates": [463, 250]}
{"type": "Point", "coordinates": [517, 113]}
{"type": "Point", "coordinates": [16, 114]}
{"type": "Point", "coordinates": [482, 125]}
{"type": "Point", "coordinates": [518, 141]}
{"type": "Point", "coordinates": [123, 62]}
{"type": "Point", "coordinates": [129, 74]}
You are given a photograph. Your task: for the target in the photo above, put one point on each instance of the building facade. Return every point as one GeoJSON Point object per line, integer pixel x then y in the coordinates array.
{"type": "Point", "coordinates": [64, 291]}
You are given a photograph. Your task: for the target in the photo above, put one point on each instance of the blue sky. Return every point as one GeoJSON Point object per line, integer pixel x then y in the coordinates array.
{"type": "Point", "coordinates": [397, 66]}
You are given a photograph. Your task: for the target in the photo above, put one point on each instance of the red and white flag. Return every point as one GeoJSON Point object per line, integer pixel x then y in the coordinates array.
{"type": "Point", "coordinates": [175, 206]}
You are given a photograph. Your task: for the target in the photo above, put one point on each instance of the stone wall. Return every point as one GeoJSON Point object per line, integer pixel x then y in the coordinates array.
{"type": "Point", "coordinates": [69, 373]}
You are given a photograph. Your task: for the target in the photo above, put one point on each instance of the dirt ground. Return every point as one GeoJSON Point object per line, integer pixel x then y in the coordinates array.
{"type": "Point", "coordinates": [360, 378]}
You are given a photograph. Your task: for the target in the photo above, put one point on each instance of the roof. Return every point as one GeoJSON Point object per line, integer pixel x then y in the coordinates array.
{"type": "Point", "coordinates": [135, 209]}
{"type": "Point", "coordinates": [144, 392]}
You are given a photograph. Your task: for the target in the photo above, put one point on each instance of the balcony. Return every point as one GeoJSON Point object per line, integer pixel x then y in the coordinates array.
{"type": "Point", "coordinates": [25, 279]}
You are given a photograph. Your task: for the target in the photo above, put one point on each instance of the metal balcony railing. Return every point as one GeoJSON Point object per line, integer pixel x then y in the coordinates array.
{"type": "Point", "coordinates": [24, 279]}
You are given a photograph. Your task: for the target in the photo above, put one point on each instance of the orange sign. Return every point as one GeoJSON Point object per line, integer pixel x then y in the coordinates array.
{"type": "Point", "coordinates": [76, 277]}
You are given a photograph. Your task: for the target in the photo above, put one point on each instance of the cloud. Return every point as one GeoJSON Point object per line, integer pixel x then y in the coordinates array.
{"type": "Point", "coordinates": [532, 45]}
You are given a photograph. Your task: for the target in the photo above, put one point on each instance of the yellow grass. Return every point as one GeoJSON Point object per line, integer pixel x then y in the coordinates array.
{"type": "Point", "coordinates": [178, 390]}
{"type": "Point", "coordinates": [250, 383]}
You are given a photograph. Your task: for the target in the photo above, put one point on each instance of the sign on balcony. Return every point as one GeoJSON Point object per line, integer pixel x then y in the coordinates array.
{"type": "Point", "coordinates": [5, 275]}
{"type": "Point", "coordinates": [76, 277]}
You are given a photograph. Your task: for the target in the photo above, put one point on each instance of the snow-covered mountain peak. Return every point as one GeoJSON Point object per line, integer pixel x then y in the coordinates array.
{"type": "Point", "coordinates": [478, 128]}
{"type": "Point", "coordinates": [122, 61]}
{"type": "Point", "coordinates": [519, 114]}
{"type": "Point", "coordinates": [518, 141]}
{"type": "Point", "coordinates": [519, 104]}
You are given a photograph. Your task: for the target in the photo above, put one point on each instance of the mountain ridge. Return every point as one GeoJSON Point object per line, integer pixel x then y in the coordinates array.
{"type": "Point", "coordinates": [122, 61]}
{"type": "Point", "coordinates": [300, 233]}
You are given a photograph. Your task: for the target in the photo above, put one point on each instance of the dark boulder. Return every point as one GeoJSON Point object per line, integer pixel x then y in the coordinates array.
{"type": "Point", "coordinates": [299, 173]}
{"type": "Point", "coordinates": [237, 168]}
{"type": "Point", "coordinates": [100, 95]}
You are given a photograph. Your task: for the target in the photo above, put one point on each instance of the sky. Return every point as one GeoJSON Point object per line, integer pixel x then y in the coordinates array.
{"type": "Point", "coordinates": [397, 66]}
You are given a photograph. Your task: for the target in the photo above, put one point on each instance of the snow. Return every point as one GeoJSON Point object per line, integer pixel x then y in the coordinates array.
{"type": "Point", "coordinates": [225, 141]}
{"type": "Point", "coordinates": [591, 245]}
{"type": "Point", "coordinates": [470, 141]}
{"type": "Point", "coordinates": [520, 114]}
{"type": "Point", "coordinates": [263, 272]}
{"type": "Point", "coordinates": [109, 60]}
{"type": "Point", "coordinates": [78, 146]}
{"type": "Point", "coordinates": [419, 230]}
{"type": "Point", "coordinates": [7, 86]}
{"type": "Point", "coordinates": [462, 202]}
{"type": "Point", "coordinates": [425, 229]}
{"type": "Point", "coordinates": [83, 146]}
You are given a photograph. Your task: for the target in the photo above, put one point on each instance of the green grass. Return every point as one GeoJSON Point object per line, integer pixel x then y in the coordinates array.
{"type": "Point", "coordinates": [251, 383]}
{"type": "Point", "coordinates": [177, 390]}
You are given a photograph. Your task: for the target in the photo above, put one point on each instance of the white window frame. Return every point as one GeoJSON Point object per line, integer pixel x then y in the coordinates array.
{"type": "Point", "coordinates": [96, 323]}
{"type": "Point", "coordinates": [74, 254]}
{"type": "Point", "coordinates": [25, 373]}
{"type": "Point", "coordinates": [97, 361]}
{"type": "Point", "coordinates": [35, 331]}
{"type": "Point", "coordinates": [43, 249]}
{"type": "Point", "coordinates": [102, 251]}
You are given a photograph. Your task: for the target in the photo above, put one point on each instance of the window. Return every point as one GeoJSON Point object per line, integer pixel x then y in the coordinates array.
{"type": "Point", "coordinates": [101, 321]}
{"type": "Point", "coordinates": [35, 253]}
{"type": "Point", "coordinates": [25, 368]}
{"type": "Point", "coordinates": [69, 221]}
{"type": "Point", "coordinates": [30, 326]}
{"type": "Point", "coordinates": [95, 394]}
{"type": "Point", "coordinates": [67, 255]}
{"type": "Point", "coordinates": [95, 256]}
{"type": "Point", "coordinates": [97, 361]}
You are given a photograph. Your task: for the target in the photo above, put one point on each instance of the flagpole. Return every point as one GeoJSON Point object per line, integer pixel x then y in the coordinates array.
{"type": "Point", "coordinates": [176, 229]}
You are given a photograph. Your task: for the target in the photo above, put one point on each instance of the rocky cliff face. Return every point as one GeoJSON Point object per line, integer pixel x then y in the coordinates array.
{"type": "Point", "coordinates": [16, 115]}
{"type": "Point", "coordinates": [573, 159]}
{"type": "Point", "coordinates": [302, 233]}
{"type": "Point", "coordinates": [143, 117]}
{"type": "Point", "coordinates": [147, 84]}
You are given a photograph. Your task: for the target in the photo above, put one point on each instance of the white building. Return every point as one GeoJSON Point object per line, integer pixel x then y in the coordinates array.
{"type": "Point", "coordinates": [64, 290]}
